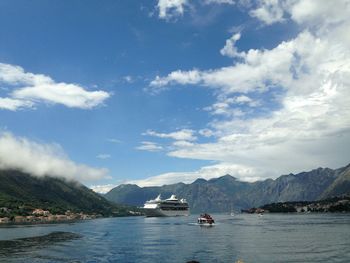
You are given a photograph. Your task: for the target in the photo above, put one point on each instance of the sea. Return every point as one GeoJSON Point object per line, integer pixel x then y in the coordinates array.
{"type": "Point", "coordinates": [238, 238]}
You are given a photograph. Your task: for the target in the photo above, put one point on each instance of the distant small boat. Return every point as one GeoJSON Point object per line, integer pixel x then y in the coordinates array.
{"type": "Point", "coordinates": [232, 211]}
{"type": "Point", "coordinates": [205, 219]}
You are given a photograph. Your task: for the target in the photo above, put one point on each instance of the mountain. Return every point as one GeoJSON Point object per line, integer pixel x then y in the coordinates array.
{"type": "Point", "coordinates": [226, 193]}
{"type": "Point", "coordinates": [22, 191]}
{"type": "Point", "coordinates": [341, 184]}
{"type": "Point", "coordinates": [305, 186]}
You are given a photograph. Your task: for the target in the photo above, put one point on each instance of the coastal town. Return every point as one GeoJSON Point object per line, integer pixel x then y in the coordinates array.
{"type": "Point", "coordinates": [331, 205]}
{"type": "Point", "coordinates": [39, 215]}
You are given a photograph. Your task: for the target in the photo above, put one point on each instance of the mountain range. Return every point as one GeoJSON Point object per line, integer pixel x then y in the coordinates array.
{"type": "Point", "coordinates": [227, 193]}
{"type": "Point", "coordinates": [21, 191]}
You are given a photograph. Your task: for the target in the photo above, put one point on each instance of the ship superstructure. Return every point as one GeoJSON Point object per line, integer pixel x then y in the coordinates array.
{"type": "Point", "coordinates": [168, 207]}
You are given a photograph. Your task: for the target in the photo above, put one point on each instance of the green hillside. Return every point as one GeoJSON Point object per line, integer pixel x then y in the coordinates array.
{"type": "Point", "coordinates": [22, 192]}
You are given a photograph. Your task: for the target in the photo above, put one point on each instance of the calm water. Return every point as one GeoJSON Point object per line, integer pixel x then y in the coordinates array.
{"type": "Point", "coordinates": [270, 238]}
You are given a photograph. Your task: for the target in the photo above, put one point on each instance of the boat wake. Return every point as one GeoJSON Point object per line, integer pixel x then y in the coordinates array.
{"type": "Point", "coordinates": [207, 225]}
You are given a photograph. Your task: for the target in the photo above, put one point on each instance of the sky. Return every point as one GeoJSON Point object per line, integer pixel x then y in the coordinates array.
{"type": "Point", "coordinates": [166, 91]}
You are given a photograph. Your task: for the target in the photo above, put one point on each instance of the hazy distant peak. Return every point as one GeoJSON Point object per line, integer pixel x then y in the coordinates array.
{"type": "Point", "coordinates": [199, 180]}
{"type": "Point", "coordinates": [128, 186]}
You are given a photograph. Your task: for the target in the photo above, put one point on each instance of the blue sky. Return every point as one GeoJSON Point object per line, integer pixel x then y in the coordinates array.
{"type": "Point", "coordinates": [155, 92]}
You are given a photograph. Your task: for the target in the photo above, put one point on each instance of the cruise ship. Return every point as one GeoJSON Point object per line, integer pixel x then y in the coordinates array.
{"type": "Point", "coordinates": [168, 207]}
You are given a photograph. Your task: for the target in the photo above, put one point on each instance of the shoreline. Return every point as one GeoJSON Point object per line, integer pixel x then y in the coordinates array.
{"type": "Point", "coordinates": [9, 224]}
{"type": "Point", "coordinates": [68, 221]}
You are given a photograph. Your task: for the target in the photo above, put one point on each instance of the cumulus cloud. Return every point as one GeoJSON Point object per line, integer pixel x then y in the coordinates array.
{"type": "Point", "coordinates": [229, 2]}
{"type": "Point", "coordinates": [316, 91]}
{"type": "Point", "coordinates": [69, 95]}
{"type": "Point", "coordinates": [229, 49]}
{"type": "Point", "coordinates": [303, 88]}
{"type": "Point", "coordinates": [171, 8]}
{"type": "Point", "coordinates": [182, 143]}
{"type": "Point", "coordinates": [180, 135]}
{"type": "Point", "coordinates": [312, 13]}
{"type": "Point", "coordinates": [206, 132]}
{"type": "Point", "coordinates": [40, 159]}
{"type": "Point", "coordinates": [259, 71]}
{"type": "Point", "coordinates": [321, 13]}
{"type": "Point", "coordinates": [31, 89]}
{"type": "Point", "coordinates": [14, 104]}
{"type": "Point", "coordinates": [149, 146]}
{"type": "Point", "coordinates": [242, 99]}
{"type": "Point", "coordinates": [269, 11]}
{"type": "Point", "coordinates": [225, 105]}
{"type": "Point", "coordinates": [179, 76]}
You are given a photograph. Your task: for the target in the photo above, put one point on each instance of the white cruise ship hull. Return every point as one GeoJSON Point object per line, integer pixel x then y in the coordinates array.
{"type": "Point", "coordinates": [160, 212]}
{"type": "Point", "coordinates": [168, 207]}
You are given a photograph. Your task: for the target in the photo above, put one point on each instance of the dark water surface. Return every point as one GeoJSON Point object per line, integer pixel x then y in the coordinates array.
{"type": "Point", "coordinates": [250, 238]}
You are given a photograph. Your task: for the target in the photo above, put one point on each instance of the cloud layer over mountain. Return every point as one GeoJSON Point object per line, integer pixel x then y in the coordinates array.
{"type": "Point", "coordinates": [41, 159]}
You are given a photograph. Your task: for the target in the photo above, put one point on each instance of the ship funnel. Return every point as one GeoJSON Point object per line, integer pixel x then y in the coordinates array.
{"type": "Point", "coordinates": [172, 197]}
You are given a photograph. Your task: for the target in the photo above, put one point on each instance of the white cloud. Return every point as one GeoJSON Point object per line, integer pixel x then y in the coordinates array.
{"type": "Point", "coordinates": [30, 89]}
{"type": "Point", "coordinates": [171, 8]}
{"type": "Point", "coordinates": [219, 108]}
{"type": "Point", "coordinates": [263, 70]}
{"type": "Point", "coordinates": [229, 2]}
{"type": "Point", "coordinates": [149, 146]}
{"type": "Point", "coordinates": [182, 143]}
{"type": "Point", "coordinates": [313, 124]}
{"type": "Point", "coordinates": [269, 11]}
{"type": "Point", "coordinates": [180, 135]}
{"type": "Point", "coordinates": [69, 95]}
{"type": "Point", "coordinates": [224, 106]}
{"type": "Point", "coordinates": [319, 14]}
{"type": "Point", "coordinates": [16, 75]}
{"type": "Point", "coordinates": [179, 76]}
{"type": "Point", "coordinates": [308, 122]}
{"type": "Point", "coordinates": [103, 156]}
{"type": "Point", "coordinates": [229, 49]}
{"type": "Point", "coordinates": [242, 99]}
{"type": "Point", "coordinates": [14, 104]}
{"type": "Point", "coordinates": [259, 71]}
{"type": "Point", "coordinates": [43, 159]}
{"type": "Point", "coordinates": [206, 132]}
{"type": "Point", "coordinates": [103, 189]}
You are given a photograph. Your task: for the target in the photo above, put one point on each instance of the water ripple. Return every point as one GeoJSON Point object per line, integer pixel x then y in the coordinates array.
{"type": "Point", "coordinates": [273, 238]}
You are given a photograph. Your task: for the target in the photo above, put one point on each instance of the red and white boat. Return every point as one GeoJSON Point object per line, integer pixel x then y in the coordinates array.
{"type": "Point", "coordinates": [205, 219]}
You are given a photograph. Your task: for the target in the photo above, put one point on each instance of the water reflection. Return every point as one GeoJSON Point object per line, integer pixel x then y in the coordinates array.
{"type": "Point", "coordinates": [8, 247]}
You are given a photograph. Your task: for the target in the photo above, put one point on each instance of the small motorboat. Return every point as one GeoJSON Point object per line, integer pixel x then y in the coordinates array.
{"type": "Point", "coordinates": [205, 219]}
